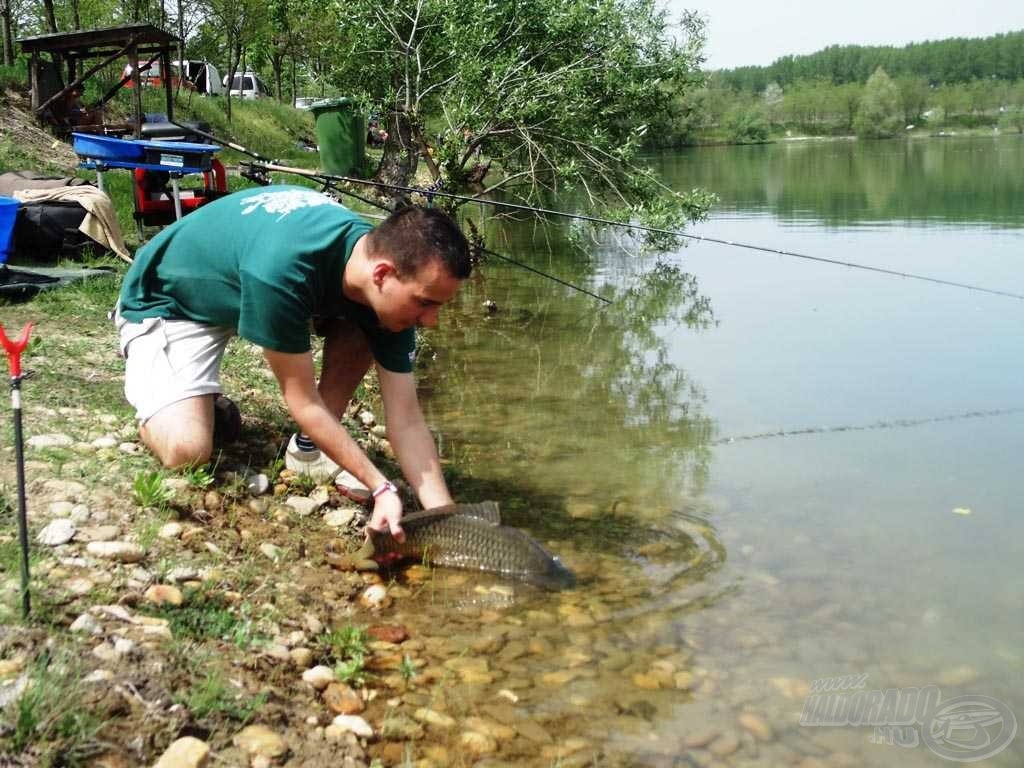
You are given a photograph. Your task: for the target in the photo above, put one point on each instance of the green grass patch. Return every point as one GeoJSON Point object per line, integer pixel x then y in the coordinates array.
{"type": "Point", "coordinates": [149, 490]}
{"type": "Point", "coordinates": [50, 720]}
{"type": "Point", "coordinates": [212, 696]}
{"type": "Point", "coordinates": [347, 648]}
{"type": "Point", "coordinates": [206, 615]}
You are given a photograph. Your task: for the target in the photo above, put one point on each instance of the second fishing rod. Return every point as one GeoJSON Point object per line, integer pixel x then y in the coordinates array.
{"type": "Point", "coordinates": [331, 183]}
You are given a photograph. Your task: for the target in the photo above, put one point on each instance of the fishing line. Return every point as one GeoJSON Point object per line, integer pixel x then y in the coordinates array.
{"type": "Point", "coordinates": [273, 166]}
{"type": "Point", "coordinates": [895, 424]}
{"type": "Point", "coordinates": [644, 228]}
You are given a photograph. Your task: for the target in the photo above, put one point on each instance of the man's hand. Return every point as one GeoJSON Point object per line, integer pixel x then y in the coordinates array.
{"type": "Point", "coordinates": [387, 515]}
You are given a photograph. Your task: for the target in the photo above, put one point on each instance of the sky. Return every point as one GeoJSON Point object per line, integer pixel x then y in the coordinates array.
{"type": "Point", "coordinates": [742, 32]}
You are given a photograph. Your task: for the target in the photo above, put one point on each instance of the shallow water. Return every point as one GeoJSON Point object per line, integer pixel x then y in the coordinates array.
{"type": "Point", "coordinates": [756, 472]}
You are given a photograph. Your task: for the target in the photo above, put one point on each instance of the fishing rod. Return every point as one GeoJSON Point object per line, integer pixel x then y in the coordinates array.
{"type": "Point", "coordinates": [641, 228]}
{"type": "Point", "coordinates": [274, 166]}
{"type": "Point", "coordinates": [328, 183]}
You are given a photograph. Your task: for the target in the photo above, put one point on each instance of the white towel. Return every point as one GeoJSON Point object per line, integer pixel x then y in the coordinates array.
{"type": "Point", "coordinates": [100, 222]}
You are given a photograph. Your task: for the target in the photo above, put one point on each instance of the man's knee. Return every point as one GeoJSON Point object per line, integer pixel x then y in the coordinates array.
{"type": "Point", "coordinates": [182, 433]}
{"type": "Point", "coordinates": [190, 453]}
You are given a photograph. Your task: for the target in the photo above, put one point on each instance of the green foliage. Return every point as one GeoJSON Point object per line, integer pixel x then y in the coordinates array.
{"type": "Point", "coordinates": [407, 668]}
{"type": "Point", "coordinates": [348, 649]}
{"type": "Point", "coordinates": [954, 60]}
{"type": "Point", "coordinates": [50, 716]}
{"type": "Point", "coordinates": [213, 695]}
{"type": "Point", "coordinates": [198, 476]}
{"type": "Point", "coordinates": [746, 125]}
{"type": "Point", "coordinates": [560, 95]}
{"type": "Point", "coordinates": [206, 615]}
{"type": "Point", "coordinates": [879, 115]}
{"type": "Point", "coordinates": [1013, 120]}
{"type": "Point", "coordinates": [149, 489]}
{"type": "Point", "coordinates": [347, 641]}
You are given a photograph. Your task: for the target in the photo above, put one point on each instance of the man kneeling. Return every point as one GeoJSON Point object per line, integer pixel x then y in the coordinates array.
{"type": "Point", "coordinates": [271, 265]}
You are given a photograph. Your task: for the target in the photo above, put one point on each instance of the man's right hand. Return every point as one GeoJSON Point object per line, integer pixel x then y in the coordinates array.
{"type": "Point", "coordinates": [387, 515]}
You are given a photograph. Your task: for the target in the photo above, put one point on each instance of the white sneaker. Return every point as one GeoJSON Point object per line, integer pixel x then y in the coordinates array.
{"type": "Point", "coordinates": [314, 464]}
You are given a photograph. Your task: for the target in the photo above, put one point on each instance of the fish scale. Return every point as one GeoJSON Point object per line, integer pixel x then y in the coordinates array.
{"type": "Point", "coordinates": [470, 536]}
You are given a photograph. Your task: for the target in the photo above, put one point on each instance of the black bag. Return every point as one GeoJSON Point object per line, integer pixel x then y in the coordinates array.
{"type": "Point", "coordinates": [46, 232]}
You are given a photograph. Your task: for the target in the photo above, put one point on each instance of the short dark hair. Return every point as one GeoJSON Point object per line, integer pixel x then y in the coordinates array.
{"type": "Point", "coordinates": [413, 235]}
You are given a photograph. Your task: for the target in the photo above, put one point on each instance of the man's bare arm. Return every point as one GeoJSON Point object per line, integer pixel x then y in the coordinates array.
{"type": "Point", "coordinates": [410, 438]}
{"type": "Point", "coordinates": [295, 376]}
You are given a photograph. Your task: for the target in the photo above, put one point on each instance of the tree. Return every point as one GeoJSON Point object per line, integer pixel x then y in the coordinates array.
{"type": "Point", "coordinates": [7, 30]}
{"type": "Point", "coordinates": [879, 115]}
{"type": "Point", "coordinates": [847, 97]}
{"type": "Point", "coordinates": [747, 124]}
{"type": "Point", "coordinates": [772, 98]}
{"type": "Point", "coordinates": [560, 94]}
{"type": "Point", "coordinates": [914, 93]}
{"type": "Point", "coordinates": [236, 20]}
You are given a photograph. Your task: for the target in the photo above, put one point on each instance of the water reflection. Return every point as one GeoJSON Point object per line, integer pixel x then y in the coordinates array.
{"type": "Point", "coordinates": [551, 378]}
{"type": "Point", "coordinates": [849, 182]}
{"type": "Point", "coordinates": [597, 430]}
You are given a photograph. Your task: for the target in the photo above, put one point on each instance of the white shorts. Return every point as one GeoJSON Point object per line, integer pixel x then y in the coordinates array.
{"type": "Point", "coordinates": [169, 360]}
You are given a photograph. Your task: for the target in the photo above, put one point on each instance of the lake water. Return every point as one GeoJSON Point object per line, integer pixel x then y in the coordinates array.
{"type": "Point", "coordinates": [768, 471]}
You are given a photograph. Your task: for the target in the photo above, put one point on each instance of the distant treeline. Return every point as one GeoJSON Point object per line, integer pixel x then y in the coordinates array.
{"type": "Point", "coordinates": [956, 60]}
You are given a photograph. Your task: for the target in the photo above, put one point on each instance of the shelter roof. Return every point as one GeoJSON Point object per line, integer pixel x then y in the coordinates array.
{"type": "Point", "coordinates": [100, 42]}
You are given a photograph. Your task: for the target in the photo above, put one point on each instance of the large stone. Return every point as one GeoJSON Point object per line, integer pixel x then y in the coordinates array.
{"type": "Point", "coordinates": [170, 531]}
{"type": "Point", "coordinates": [756, 725]}
{"type": "Point", "coordinates": [119, 551]}
{"type": "Point", "coordinates": [342, 700]}
{"type": "Point", "coordinates": [478, 744]}
{"type": "Point", "coordinates": [271, 550]}
{"type": "Point", "coordinates": [53, 440]}
{"type": "Point", "coordinates": [260, 741]}
{"type": "Point", "coordinates": [86, 625]}
{"type": "Point", "coordinates": [436, 719]}
{"type": "Point", "coordinates": [388, 633]}
{"type": "Point", "coordinates": [164, 594]}
{"type": "Point", "coordinates": [375, 597]}
{"type": "Point", "coordinates": [186, 752]}
{"type": "Point", "coordinates": [353, 724]}
{"type": "Point", "coordinates": [319, 677]}
{"type": "Point", "coordinates": [99, 533]}
{"type": "Point", "coordinates": [339, 518]}
{"type": "Point", "coordinates": [59, 531]}
{"type": "Point", "coordinates": [59, 508]}
{"type": "Point", "coordinates": [257, 484]}
{"type": "Point", "coordinates": [303, 506]}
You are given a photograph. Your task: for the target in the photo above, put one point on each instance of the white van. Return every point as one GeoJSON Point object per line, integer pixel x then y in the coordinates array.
{"type": "Point", "coordinates": [247, 86]}
{"type": "Point", "coordinates": [203, 75]}
{"type": "Point", "coordinates": [199, 75]}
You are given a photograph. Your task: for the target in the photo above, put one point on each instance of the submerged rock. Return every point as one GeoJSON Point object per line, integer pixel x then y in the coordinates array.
{"type": "Point", "coordinates": [260, 741]}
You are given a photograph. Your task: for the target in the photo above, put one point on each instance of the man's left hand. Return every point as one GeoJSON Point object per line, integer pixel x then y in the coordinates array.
{"type": "Point", "coordinates": [387, 515]}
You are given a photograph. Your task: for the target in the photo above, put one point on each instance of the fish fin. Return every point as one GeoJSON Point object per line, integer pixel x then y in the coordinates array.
{"type": "Point", "coordinates": [484, 510]}
{"type": "Point", "coordinates": [359, 560]}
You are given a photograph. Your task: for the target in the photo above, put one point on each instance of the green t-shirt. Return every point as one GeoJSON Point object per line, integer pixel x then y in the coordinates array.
{"type": "Point", "coordinates": [264, 262]}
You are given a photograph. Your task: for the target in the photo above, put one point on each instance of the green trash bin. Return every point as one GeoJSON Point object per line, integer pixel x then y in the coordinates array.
{"type": "Point", "coordinates": [341, 134]}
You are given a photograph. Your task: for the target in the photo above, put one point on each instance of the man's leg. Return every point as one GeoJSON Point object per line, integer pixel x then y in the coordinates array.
{"type": "Point", "coordinates": [346, 360]}
{"type": "Point", "coordinates": [181, 433]}
{"type": "Point", "coordinates": [172, 375]}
